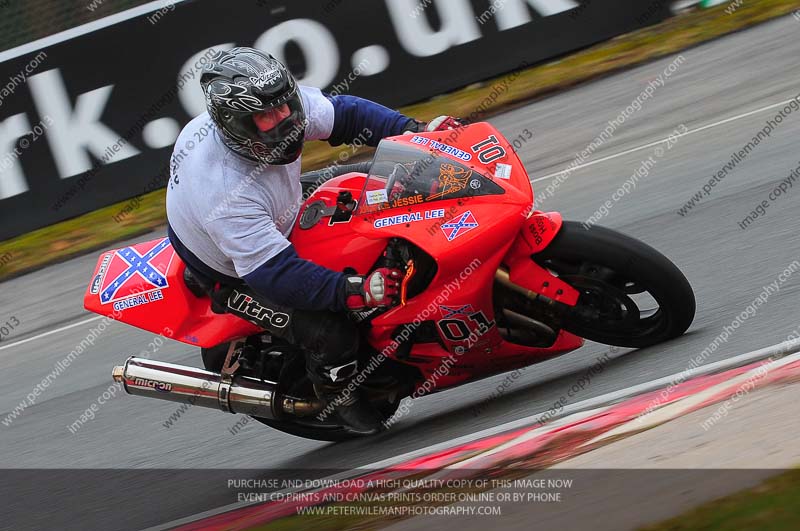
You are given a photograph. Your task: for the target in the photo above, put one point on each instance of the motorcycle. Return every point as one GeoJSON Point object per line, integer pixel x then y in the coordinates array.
{"type": "Point", "coordinates": [490, 285]}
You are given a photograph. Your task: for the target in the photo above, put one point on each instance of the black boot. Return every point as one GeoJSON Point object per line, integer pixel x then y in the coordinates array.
{"type": "Point", "coordinates": [343, 394]}
{"type": "Point", "coordinates": [356, 412]}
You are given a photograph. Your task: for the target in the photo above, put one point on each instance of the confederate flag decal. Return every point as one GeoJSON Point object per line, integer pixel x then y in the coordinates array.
{"type": "Point", "coordinates": [137, 270]}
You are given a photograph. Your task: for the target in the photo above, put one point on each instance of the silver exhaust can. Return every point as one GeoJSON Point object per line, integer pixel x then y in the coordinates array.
{"type": "Point", "coordinates": [179, 383]}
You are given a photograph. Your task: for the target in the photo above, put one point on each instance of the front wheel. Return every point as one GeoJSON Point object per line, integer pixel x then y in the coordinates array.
{"type": "Point", "coordinates": [630, 294]}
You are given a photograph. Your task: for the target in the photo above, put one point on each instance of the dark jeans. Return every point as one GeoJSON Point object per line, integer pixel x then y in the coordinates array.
{"type": "Point", "coordinates": [328, 339]}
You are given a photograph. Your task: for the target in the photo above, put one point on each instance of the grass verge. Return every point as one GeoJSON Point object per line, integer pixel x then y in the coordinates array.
{"type": "Point", "coordinates": [772, 506]}
{"type": "Point", "coordinates": [99, 228]}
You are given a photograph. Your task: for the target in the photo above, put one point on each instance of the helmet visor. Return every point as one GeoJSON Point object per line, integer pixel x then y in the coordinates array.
{"type": "Point", "coordinates": [277, 133]}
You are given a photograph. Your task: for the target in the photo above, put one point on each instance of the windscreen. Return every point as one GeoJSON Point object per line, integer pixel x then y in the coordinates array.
{"type": "Point", "coordinates": [403, 176]}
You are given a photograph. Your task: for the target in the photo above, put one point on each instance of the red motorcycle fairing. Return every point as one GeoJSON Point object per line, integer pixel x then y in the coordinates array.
{"type": "Point", "coordinates": [538, 231]}
{"type": "Point", "coordinates": [468, 236]}
{"type": "Point", "coordinates": [461, 196]}
{"type": "Point", "coordinates": [142, 285]}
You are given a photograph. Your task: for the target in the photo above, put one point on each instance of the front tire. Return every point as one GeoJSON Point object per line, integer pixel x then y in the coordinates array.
{"type": "Point", "coordinates": [610, 269]}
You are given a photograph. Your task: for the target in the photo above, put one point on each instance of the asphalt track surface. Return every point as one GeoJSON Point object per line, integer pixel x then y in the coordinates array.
{"type": "Point", "coordinates": [726, 265]}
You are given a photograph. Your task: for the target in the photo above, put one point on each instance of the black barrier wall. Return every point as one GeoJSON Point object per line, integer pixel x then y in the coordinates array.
{"type": "Point", "coordinates": [91, 120]}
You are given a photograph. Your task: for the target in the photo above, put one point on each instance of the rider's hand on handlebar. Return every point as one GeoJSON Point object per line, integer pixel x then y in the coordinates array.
{"type": "Point", "coordinates": [443, 123]}
{"type": "Point", "coordinates": [378, 289]}
{"type": "Point", "coordinates": [440, 123]}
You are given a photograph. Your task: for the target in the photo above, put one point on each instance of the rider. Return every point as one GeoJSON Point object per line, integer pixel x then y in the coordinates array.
{"type": "Point", "coordinates": [234, 177]}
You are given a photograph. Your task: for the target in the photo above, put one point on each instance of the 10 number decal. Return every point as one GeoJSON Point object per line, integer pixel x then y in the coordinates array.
{"type": "Point", "coordinates": [490, 149]}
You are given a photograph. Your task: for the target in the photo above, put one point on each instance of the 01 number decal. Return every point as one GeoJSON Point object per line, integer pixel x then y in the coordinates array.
{"type": "Point", "coordinates": [489, 150]}
{"type": "Point", "coordinates": [456, 328]}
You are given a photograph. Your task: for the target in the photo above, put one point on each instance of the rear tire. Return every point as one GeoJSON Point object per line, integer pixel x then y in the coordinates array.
{"type": "Point", "coordinates": [332, 434]}
{"type": "Point", "coordinates": [214, 357]}
{"type": "Point", "coordinates": [607, 267]}
{"type": "Point", "coordinates": [320, 433]}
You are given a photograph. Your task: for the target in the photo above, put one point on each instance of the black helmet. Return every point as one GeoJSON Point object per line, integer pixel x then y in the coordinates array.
{"type": "Point", "coordinates": [254, 101]}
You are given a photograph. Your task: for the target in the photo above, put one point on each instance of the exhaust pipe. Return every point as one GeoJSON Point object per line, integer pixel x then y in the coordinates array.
{"type": "Point", "coordinates": [178, 383]}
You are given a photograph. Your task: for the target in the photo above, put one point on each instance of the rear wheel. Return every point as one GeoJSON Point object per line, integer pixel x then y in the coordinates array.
{"type": "Point", "coordinates": [318, 432]}
{"type": "Point", "coordinates": [630, 294]}
{"type": "Point", "coordinates": [294, 374]}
